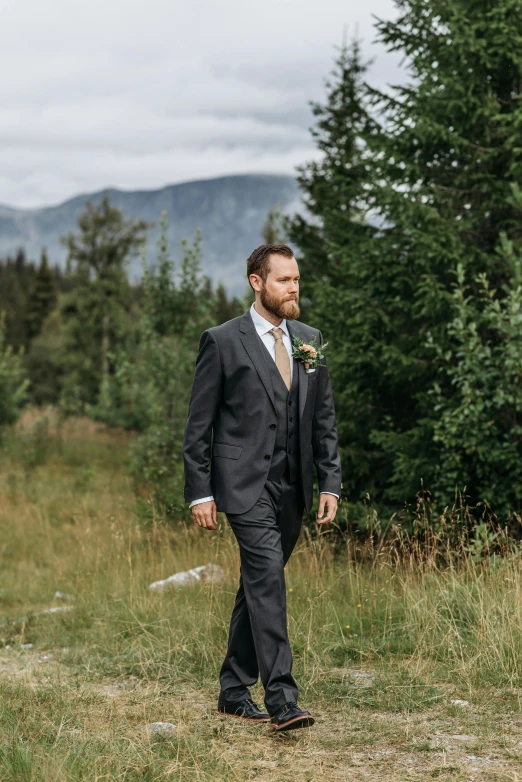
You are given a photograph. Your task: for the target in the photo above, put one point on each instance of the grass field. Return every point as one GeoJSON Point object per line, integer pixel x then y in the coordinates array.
{"type": "Point", "coordinates": [412, 673]}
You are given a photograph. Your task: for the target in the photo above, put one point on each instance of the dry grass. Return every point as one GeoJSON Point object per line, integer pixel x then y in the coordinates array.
{"type": "Point", "coordinates": [381, 650]}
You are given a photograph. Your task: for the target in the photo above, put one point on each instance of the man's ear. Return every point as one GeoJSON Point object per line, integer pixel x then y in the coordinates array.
{"type": "Point", "coordinates": [255, 282]}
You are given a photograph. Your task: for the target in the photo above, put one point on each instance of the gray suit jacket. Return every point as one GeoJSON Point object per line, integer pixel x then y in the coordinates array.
{"type": "Point", "coordinates": [232, 417]}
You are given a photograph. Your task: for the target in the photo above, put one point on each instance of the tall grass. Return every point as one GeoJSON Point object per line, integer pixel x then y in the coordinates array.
{"type": "Point", "coordinates": [401, 631]}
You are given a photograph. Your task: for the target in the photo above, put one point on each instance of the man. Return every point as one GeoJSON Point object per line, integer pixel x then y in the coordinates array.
{"type": "Point", "coordinates": [261, 421]}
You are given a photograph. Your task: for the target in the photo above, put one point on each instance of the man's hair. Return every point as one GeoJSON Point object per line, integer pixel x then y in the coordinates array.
{"type": "Point", "coordinates": [259, 261]}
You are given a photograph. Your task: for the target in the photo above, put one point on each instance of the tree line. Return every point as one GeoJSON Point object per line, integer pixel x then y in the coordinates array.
{"type": "Point", "coordinates": [92, 343]}
{"type": "Point", "coordinates": [410, 258]}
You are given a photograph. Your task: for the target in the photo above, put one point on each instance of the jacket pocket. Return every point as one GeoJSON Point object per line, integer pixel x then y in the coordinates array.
{"type": "Point", "coordinates": [226, 451]}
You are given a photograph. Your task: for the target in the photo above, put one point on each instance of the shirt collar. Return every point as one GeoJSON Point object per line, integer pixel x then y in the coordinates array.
{"type": "Point", "coordinates": [263, 326]}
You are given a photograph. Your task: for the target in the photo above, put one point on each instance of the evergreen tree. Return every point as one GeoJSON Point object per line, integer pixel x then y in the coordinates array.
{"type": "Point", "coordinates": [41, 299]}
{"type": "Point", "coordinates": [16, 275]}
{"type": "Point", "coordinates": [445, 161]}
{"type": "Point", "coordinates": [435, 171]}
{"type": "Point", "coordinates": [477, 426]}
{"type": "Point", "coordinates": [46, 361]}
{"type": "Point", "coordinates": [95, 311]}
{"type": "Point", "coordinates": [335, 242]}
{"type": "Point", "coordinates": [153, 371]}
{"type": "Point", "coordinates": [13, 382]}
{"type": "Point", "coordinates": [274, 229]}
{"type": "Point", "coordinates": [225, 308]}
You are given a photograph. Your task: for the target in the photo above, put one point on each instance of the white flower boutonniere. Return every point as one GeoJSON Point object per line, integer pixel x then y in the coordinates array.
{"type": "Point", "coordinates": [308, 353]}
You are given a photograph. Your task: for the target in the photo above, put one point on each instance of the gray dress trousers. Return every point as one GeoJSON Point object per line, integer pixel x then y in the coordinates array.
{"type": "Point", "coordinates": [258, 644]}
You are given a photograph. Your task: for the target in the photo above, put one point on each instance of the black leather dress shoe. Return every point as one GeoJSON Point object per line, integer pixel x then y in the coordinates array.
{"type": "Point", "coordinates": [246, 709]}
{"type": "Point", "coordinates": [290, 716]}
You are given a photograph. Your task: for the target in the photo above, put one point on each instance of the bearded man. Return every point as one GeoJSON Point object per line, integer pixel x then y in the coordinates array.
{"type": "Point", "coordinates": [260, 419]}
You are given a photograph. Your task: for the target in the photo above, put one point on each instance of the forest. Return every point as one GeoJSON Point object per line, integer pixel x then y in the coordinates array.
{"type": "Point", "coordinates": [404, 615]}
{"type": "Point", "coordinates": [410, 257]}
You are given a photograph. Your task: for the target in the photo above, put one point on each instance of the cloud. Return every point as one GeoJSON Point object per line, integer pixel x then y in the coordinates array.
{"type": "Point", "coordinates": [138, 95]}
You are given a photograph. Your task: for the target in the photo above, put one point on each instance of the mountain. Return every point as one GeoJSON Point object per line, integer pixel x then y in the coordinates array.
{"type": "Point", "coordinates": [230, 212]}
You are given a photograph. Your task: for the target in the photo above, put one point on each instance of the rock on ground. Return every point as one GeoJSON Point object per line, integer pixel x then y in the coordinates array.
{"type": "Point", "coordinates": [161, 728]}
{"type": "Point", "coordinates": [202, 574]}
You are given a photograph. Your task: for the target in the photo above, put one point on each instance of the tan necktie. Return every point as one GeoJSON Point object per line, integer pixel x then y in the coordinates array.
{"type": "Point", "coordinates": [281, 357]}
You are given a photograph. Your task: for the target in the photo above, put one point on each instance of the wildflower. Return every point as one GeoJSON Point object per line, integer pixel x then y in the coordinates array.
{"type": "Point", "coordinates": [347, 627]}
{"type": "Point", "coordinates": [359, 605]}
{"type": "Point", "coordinates": [290, 590]}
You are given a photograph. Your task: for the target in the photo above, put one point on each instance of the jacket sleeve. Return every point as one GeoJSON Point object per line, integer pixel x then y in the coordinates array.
{"type": "Point", "coordinates": [324, 434]}
{"type": "Point", "coordinates": [205, 398]}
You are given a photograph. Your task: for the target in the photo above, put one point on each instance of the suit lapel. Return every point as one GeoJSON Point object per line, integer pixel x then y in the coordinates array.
{"type": "Point", "coordinates": [303, 377]}
{"type": "Point", "coordinates": [257, 353]}
{"type": "Point", "coordinates": [259, 357]}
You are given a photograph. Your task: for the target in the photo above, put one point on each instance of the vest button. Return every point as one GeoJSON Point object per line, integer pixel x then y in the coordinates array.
{"type": "Point", "coordinates": [290, 419]}
{"type": "Point", "coordinates": [273, 426]}
{"type": "Point", "coordinates": [267, 456]}
{"type": "Point", "coordinates": [289, 450]}
{"type": "Point", "coordinates": [290, 435]}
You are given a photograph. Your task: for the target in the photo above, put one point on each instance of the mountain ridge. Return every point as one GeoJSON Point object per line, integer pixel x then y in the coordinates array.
{"type": "Point", "coordinates": [230, 211]}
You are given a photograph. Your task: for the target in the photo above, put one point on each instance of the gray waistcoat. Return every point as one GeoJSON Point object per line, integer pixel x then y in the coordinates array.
{"type": "Point", "coordinates": [286, 448]}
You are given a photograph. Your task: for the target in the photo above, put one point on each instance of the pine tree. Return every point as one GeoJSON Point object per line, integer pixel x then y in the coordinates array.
{"type": "Point", "coordinates": [435, 171]}
{"type": "Point", "coordinates": [95, 311]}
{"type": "Point", "coordinates": [225, 308]}
{"type": "Point", "coordinates": [444, 164]}
{"type": "Point", "coordinates": [16, 275]}
{"type": "Point", "coordinates": [150, 387]}
{"type": "Point", "coordinates": [13, 381]}
{"type": "Point", "coordinates": [334, 186]}
{"type": "Point", "coordinates": [335, 242]}
{"type": "Point", "coordinates": [41, 299]}
{"type": "Point", "coordinates": [273, 229]}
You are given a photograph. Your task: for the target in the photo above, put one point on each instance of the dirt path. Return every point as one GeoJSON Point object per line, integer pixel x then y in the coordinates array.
{"type": "Point", "coordinates": [345, 744]}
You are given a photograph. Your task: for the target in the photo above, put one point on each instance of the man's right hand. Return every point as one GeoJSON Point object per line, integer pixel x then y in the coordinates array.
{"type": "Point", "coordinates": [205, 515]}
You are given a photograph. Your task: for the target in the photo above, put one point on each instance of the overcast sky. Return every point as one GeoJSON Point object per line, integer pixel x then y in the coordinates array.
{"type": "Point", "coordinates": [143, 94]}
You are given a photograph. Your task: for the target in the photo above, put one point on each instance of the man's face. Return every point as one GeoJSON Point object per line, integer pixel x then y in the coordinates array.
{"type": "Point", "coordinates": [279, 294]}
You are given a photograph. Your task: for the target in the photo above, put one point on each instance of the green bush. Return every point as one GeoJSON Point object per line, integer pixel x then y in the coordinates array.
{"type": "Point", "coordinates": [13, 381]}
{"type": "Point", "coordinates": [478, 397]}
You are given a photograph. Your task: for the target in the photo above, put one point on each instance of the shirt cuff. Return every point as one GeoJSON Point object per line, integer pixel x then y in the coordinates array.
{"type": "Point", "coordinates": [208, 499]}
{"type": "Point", "coordinates": [203, 499]}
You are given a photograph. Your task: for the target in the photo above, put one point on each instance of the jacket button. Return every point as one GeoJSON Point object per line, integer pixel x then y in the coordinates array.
{"type": "Point", "coordinates": [267, 456]}
{"type": "Point", "coordinates": [272, 426]}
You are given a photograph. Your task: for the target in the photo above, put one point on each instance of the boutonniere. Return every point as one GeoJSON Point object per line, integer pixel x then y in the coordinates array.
{"type": "Point", "coordinates": [308, 353]}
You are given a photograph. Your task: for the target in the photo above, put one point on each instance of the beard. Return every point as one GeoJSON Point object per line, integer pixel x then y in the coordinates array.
{"type": "Point", "coordinates": [278, 306]}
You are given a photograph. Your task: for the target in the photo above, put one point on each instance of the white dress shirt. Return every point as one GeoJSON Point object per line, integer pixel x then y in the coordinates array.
{"type": "Point", "coordinates": [263, 328]}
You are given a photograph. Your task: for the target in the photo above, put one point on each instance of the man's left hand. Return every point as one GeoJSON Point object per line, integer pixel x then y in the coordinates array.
{"type": "Point", "coordinates": [328, 502]}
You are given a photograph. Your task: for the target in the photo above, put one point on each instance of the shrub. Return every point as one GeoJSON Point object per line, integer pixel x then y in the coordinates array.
{"type": "Point", "coordinates": [13, 381]}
